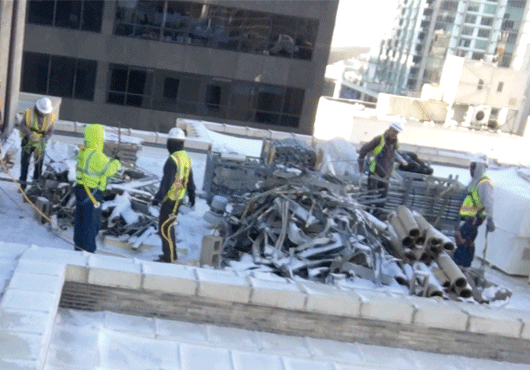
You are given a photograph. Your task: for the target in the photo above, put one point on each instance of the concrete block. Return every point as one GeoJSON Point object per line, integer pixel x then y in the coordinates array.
{"type": "Point", "coordinates": [169, 278]}
{"type": "Point", "coordinates": [201, 357]}
{"type": "Point", "coordinates": [76, 274]}
{"type": "Point", "coordinates": [283, 344]}
{"type": "Point", "coordinates": [12, 250]}
{"type": "Point", "coordinates": [25, 321]}
{"type": "Point", "coordinates": [486, 320]}
{"type": "Point", "coordinates": [18, 365]}
{"type": "Point", "coordinates": [276, 294]}
{"type": "Point", "coordinates": [114, 272]}
{"type": "Point", "coordinates": [385, 307]}
{"type": "Point", "coordinates": [35, 301]}
{"type": "Point", "coordinates": [42, 268]}
{"type": "Point", "coordinates": [54, 255]}
{"type": "Point", "coordinates": [223, 285]}
{"type": "Point", "coordinates": [336, 351]}
{"type": "Point", "coordinates": [252, 360]}
{"type": "Point", "coordinates": [390, 358]}
{"type": "Point", "coordinates": [434, 313]}
{"type": "Point", "coordinates": [36, 282]}
{"type": "Point", "coordinates": [293, 363]}
{"type": "Point", "coordinates": [331, 300]}
{"type": "Point", "coordinates": [181, 331]}
{"type": "Point", "coordinates": [211, 250]}
{"type": "Point", "coordinates": [238, 338]}
{"type": "Point", "coordinates": [22, 346]}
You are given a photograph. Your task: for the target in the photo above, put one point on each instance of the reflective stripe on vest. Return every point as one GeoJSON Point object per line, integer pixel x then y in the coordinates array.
{"type": "Point", "coordinates": [90, 178]}
{"type": "Point", "coordinates": [183, 164]}
{"type": "Point", "coordinates": [472, 203]}
{"type": "Point", "coordinates": [32, 122]}
{"type": "Point", "coordinates": [375, 152]}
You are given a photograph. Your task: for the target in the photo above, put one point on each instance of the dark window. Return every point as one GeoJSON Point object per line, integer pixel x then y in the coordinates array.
{"type": "Point", "coordinates": [500, 86]}
{"type": "Point", "coordinates": [68, 14]}
{"type": "Point", "coordinates": [484, 33]}
{"type": "Point", "coordinates": [41, 12]}
{"type": "Point", "coordinates": [61, 76]}
{"type": "Point", "coordinates": [217, 27]}
{"type": "Point", "coordinates": [189, 95]}
{"type": "Point", "coordinates": [294, 101]}
{"type": "Point", "coordinates": [171, 88]}
{"type": "Point", "coordinates": [480, 84]}
{"type": "Point", "coordinates": [477, 56]}
{"type": "Point", "coordinates": [130, 86]}
{"type": "Point", "coordinates": [270, 98]}
{"type": "Point", "coordinates": [85, 79]}
{"type": "Point", "coordinates": [471, 19]}
{"type": "Point", "coordinates": [58, 76]}
{"type": "Point", "coordinates": [35, 73]}
{"type": "Point", "coordinates": [486, 21]}
{"type": "Point", "coordinates": [92, 15]}
{"type": "Point", "coordinates": [77, 14]}
{"type": "Point", "coordinates": [213, 96]}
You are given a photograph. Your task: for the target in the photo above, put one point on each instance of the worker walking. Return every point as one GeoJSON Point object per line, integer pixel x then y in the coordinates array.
{"type": "Point", "coordinates": [36, 127]}
{"type": "Point", "coordinates": [380, 152]}
{"type": "Point", "coordinates": [477, 207]}
{"type": "Point", "coordinates": [177, 182]}
{"type": "Point", "coordinates": [92, 171]}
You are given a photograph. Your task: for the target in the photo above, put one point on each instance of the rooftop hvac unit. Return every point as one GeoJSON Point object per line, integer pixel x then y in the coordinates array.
{"type": "Point", "coordinates": [481, 115]}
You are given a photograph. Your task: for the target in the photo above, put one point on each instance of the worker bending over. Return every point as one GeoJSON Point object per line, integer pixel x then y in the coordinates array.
{"type": "Point", "coordinates": [381, 151]}
{"type": "Point", "coordinates": [177, 181]}
{"type": "Point", "coordinates": [92, 171]}
{"type": "Point", "coordinates": [477, 207]}
{"type": "Point", "coordinates": [36, 127]}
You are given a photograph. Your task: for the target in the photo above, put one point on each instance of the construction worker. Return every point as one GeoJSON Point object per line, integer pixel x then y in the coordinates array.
{"type": "Point", "coordinates": [177, 182]}
{"type": "Point", "coordinates": [92, 171]}
{"type": "Point", "coordinates": [380, 151]}
{"type": "Point", "coordinates": [36, 127]}
{"type": "Point", "coordinates": [477, 207]}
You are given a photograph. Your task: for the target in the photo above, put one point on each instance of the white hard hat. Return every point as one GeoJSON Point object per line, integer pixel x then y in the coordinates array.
{"type": "Point", "coordinates": [479, 158]}
{"type": "Point", "coordinates": [396, 126]}
{"type": "Point", "coordinates": [176, 133]}
{"type": "Point", "coordinates": [44, 105]}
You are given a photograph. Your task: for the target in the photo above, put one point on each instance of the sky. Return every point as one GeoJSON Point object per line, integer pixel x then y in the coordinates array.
{"type": "Point", "coordinates": [362, 23]}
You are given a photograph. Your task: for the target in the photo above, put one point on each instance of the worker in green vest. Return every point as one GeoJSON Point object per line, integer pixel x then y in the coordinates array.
{"type": "Point", "coordinates": [92, 172]}
{"type": "Point", "coordinates": [177, 182]}
{"type": "Point", "coordinates": [477, 207]}
{"type": "Point", "coordinates": [379, 155]}
{"type": "Point", "coordinates": [36, 127]}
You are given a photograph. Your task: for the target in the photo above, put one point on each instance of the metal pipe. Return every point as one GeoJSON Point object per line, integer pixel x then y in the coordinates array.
{"type": "Point", "coordinates": [409, 224]}
{"type": "Point", "coordinates": [402, 234]}
{"type": "Point", "coordinates": [455, 275]}
{"type": "Point", "coordinates": [433, 239]}
{"type": "Point", "coordinates": [465, 291]}
{"type": "Point", "coordinates": [441, 276]}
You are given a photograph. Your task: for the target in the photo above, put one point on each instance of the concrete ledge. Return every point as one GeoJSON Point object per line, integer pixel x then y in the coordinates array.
{"type": "Point", "coordinates": [276, 294]}
{"type": "Point", "coordinates": [169, 278]}
{"type": "Point", "coordinates": [381, 306]}
{"type": "Point", "coordinates": [222, 285]}
{"type": "Point", "coordinates": [331, 300]}
{"type": "Point", "coordinates": [433, 313]}
{"type": "Point", "coordinates": [487, 320]}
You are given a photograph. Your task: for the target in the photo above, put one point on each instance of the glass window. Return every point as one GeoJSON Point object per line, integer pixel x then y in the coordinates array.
{"type": "Point", "coordinates": [465, 43]}
{"type": "Point", "coordinates": [76, 14]}
{"type": "Point", "coordinates": [61, 76]}
{"type": "Point", "coordinates": [467, 31]}
{"type": "Point", "coordinates": [92, 15]}
{"type": "Point", "coordinates": [242, 97]}
{"type": "Point", "coordinates": [85, 78]}
{"type": "Point", "coordinates": [481, 44]}
{"type": "Point", "coordinates": [486, 21]}
{"type": "Point", "coordinates": [171, 88]}
{"type": "Point", "coordinates": [216, 98]}
{"type": "Point", "coordinates": [480, 84]}
{"type": "Point", "coordinates": [484, 33]}
{"type": "Point", "coordinates": [188, 101]}
{"type": "Point", "coordinates": [68, 14]}
{"type": "Point", "coordinates": [473, 7]}
{"type": "Point", "coordinates": [118, 78]}
{"type": "Point", "coordinates": [137, 81]}
{"type": "Point", "coordinates": [35, 73]}
{"type": "Point", "coordinates": [130, 86]}
{"type": "Point", "coordinates": [500, 86]}
{"type": "Point", "coordinates": [470, 19]}
{"type": "Point", "coordinates": [294, 101]}
{"type": "Point", "coordinates": [490, 9]}
{"type": "Point", "coordinates": [41, 12]}
{"type": "Point", "coordinates": [270, 98]}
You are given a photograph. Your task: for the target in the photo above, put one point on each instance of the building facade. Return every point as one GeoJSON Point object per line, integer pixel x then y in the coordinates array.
{"type": "Point", "coordinates": [426, 31]}
{"type": "Point", "coordinates": [142, 64]}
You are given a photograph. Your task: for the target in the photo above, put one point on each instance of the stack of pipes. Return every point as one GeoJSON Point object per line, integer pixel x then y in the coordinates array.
{"type": "Point", "coordinates": [414, 240]}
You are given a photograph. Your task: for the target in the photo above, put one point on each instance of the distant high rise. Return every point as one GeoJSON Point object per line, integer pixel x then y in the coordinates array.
{"type": "Point", "coordinates": [426, 31]}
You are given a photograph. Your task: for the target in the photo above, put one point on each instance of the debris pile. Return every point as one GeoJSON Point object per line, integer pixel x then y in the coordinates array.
{"type": "Point", "coordinates": [291, 152]}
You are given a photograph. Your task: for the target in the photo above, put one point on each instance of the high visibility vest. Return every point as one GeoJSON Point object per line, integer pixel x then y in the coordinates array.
{"type": "Point", "coordinates": [375, 152]}
{"type": "Point", "coordinates": [94, 168]}
{"type": "Point", "coordinates": [32, 122]}
{"type": "Point", "coordinates": [472, 202]}
{"type": "Point", "coordinates": [178, 188]}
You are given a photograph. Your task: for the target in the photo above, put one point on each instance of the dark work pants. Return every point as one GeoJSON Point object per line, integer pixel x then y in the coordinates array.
{"type": "Point", "coordinates": [166, 230]}
{"type": "Point", "coordinates": [87, 218]}
{"type": "Point", "coordinates": [465, 253]}
{"type": "Point", "coordinates": [24, 165]}
{"type": "Point", "coordinates": [378, 189]}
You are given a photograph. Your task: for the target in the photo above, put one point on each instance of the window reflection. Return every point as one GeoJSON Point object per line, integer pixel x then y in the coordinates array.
{"type": "Point", "coordinates": [217, 27]}
{"type": "Point", "coordinates": [76, 14]}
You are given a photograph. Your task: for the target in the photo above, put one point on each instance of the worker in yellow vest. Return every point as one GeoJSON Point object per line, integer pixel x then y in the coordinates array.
{"type": "Point", "coordinates": [477, 207]}
{"type": "Point", "coordinates": [36, 127]}
{"type": "Point", "coordinates": [92, 172]}
{"type": "Point", "coordinates": [177, 182]}
{"type": "Point", "coordinates": [380, 152]}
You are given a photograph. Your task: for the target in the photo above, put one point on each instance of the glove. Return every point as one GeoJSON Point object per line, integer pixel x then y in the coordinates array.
{"type": "Point", "coordinates": [490, 225]}
{"type": "Point", "coordinates": [154, 202]}
{"type": "Point", "coordinates": [116, 157]}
